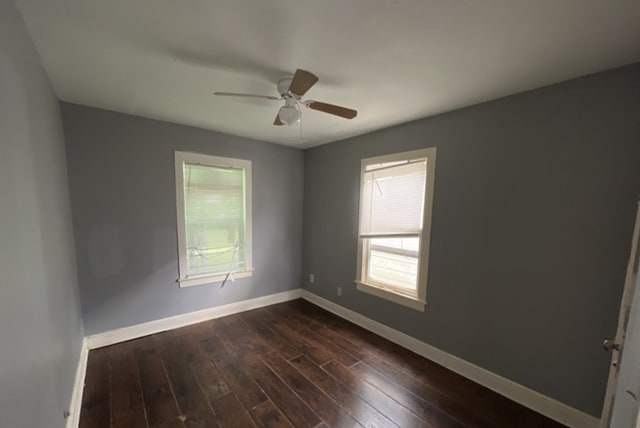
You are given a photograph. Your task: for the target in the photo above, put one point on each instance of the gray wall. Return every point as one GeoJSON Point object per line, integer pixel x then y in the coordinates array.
{"type": "Point", "coordinates": [533, 213]}
{"type": "Point", "coordinates": [40, 325]}
{"type": "Point", "coordinates": [121, 173]}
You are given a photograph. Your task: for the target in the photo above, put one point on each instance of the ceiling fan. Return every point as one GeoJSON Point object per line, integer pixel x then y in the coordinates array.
{"type": "Point", "coordinates": [291, 90]}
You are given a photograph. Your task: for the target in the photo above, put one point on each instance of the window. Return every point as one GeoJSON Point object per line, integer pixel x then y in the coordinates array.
{"type": "Point", "coordinates": [213, 197]}
{"type": "Point", "coordinates": [396, 196]}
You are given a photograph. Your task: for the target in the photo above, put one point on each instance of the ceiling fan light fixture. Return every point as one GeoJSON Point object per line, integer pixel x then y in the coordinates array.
{"type": "Point", "coordinates": [289, 114]}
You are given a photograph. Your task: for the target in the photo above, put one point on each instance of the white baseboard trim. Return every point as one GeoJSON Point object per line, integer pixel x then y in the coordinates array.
{"type": "Point", "coordinates": [73, 420]}
{"type": "Point", "coordinates": [135, 331]}
{"type": "Point", "coordinates": [547, 406]}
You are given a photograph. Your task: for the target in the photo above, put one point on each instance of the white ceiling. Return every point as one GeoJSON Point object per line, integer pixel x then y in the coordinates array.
{"type": "Point", "coordinates": [392, 60]}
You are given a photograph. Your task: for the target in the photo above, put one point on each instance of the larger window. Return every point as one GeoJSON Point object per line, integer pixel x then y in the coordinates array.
{"type": "Point", "coordinates": [396, 196]}
{"type": "Point", "coordinates": [213, 197]}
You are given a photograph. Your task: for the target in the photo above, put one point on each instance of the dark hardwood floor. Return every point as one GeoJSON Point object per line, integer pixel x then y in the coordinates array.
{"type": "Point", "coordinates": [292, 364]}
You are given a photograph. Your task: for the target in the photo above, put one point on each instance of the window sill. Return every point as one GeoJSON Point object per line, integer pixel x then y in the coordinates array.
{"type": "Point", "coordinates": [400, 299]}
{"type": "Point", "coordinates": [210, 279]}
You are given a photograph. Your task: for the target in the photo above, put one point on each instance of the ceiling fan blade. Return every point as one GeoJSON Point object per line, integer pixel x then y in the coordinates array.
{"type": "Point", "coordinates": [302, 81]}
{"type": "Point", "coordinates": [235, 94]}
{"type": "Point", "coordinates": [277, 121]}
{"type": "Point", "coordinates": [347, 113]}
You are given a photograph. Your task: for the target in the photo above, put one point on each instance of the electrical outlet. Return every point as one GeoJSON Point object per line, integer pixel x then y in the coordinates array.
{"type": "Point", "coordinates": [339, 291]}
{"type": "Point", "coordinates": [312, 278]}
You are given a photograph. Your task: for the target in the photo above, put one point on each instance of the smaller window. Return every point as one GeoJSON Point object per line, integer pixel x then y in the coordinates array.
{"type": "Point", "coordinates": [396, 196]}
{"type": "Point", "coordinates": [213, 196]}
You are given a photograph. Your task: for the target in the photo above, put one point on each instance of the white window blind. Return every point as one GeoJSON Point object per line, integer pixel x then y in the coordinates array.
{"type": "Point", "coordinates": [393, 199]}
{"type": "Point", "coordinates": [214, 219]}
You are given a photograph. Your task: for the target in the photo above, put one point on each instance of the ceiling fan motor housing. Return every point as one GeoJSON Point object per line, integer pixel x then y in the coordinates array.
{"type": "Point", "coordinates": [283, 86]}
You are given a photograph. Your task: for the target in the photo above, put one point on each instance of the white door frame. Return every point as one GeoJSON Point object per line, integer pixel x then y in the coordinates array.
{"type": "Point", "coordinates": [625, 308]}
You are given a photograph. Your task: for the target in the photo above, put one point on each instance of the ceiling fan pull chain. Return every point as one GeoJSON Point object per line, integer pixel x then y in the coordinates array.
{"type": "Point", "coordinates": [300, 139]}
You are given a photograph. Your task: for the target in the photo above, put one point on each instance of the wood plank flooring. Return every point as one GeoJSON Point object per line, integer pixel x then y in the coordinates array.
{"type": "Point", "coordinates": [287, 365]}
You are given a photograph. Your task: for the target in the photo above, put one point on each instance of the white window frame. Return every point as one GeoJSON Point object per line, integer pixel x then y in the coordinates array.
{"type": "Point", "coordinates": [392, 294]}
{"type": "Point", "coordinates": [214, 161]}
